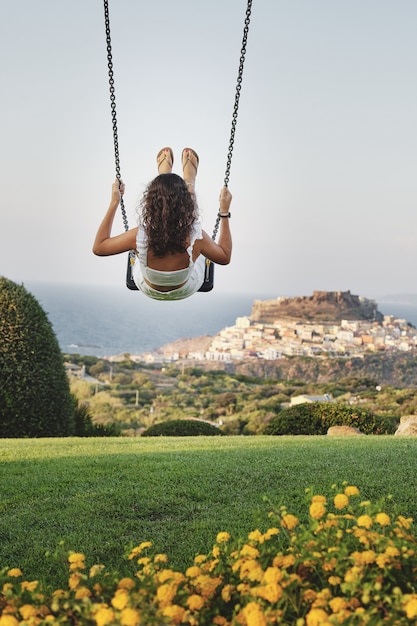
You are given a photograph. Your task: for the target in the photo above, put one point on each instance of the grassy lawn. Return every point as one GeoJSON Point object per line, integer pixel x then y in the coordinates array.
{"type": "Point", "coordinates": [99, 496]}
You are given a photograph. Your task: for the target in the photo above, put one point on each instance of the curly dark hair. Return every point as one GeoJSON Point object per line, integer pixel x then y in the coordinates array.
{"type": "Point", "coordinates": [167, 214]}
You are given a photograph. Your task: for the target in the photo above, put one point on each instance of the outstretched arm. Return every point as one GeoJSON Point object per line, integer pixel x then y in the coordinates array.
{"type": "Point", "coordinates": [104, 243]}
{"type": "Point", "coordinates": [221, 251]}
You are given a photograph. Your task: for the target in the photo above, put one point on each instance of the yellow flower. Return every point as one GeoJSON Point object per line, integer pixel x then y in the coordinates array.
{"type": "Point", "coordinates": [392, 551]}
{"type": "Point", "coordinates": [338, 604]}
{"type": "Point", "coordinates": [404, 522]}
{"type": "Point", "coordinates": [206, 585]}
{"type": "Point", "coordinates": [166, 593]}
{"type": "Point", "coordinates": [251, 570]}
{"type": "Point", "coordinates": [174, 612]}
{"type": "Point", "coordinates": [316, 617]}
{"type": "Point", "coordinates": [254, 615]}
{"type": "Point", "coordinates": [334, 580]}
{"type": "Point", "coordinates": [383, 519]}
{"type": "Point", "coordinates": [8, 620]}
{"type": "Point", "coordinates": [222, 537]}
{"type": "Point", "coordinates": [195, 602]}
{"type": "Point", "coordinates": [352, 574]}
{"type": "Point", "coordinates": [317, 510]}
{"type": "Point", "coordinates": [363, 558]}
{"type": "Point", "coordinates": [140, 548]}
{"type": "Point", "coordinates": [351, 490]}
{"type": "Point", "coordinates": [74, 581]}
{"type": "Point", "coordinates": [75, 557]}
{"type": "Point", "coordinates": [248, 550]}
{"type": "Point", "coordinates": [271, 532]}
{"type": "Point", "coordinates": [193, 571]}
{"type": "Point", "coordinates": [270, 592]}
{"type": "Point", "coordinates": [289, 521]}
{"type": "Point", "coordinates": [319, 499]}
{"type": "Point", "coordinates": [104, 616]}
{"type": "Point", "coordinates": [256, 535]}
{"type": "Point", "coordinates": [283, 561]}
{"type": "Point", "coordinates": [82, 592]}
{"type": "Point", "coordinates": [272, 575]}
{"type": "Point", "coordinates": [381, 560]}
{"type": "Point", "coordinates": [166, 574]}
{"type": "Point", "coordinates": [227, 592]}
{"type": "Point", "coordinates": [120, 599]}
{"type": "Point", "coordinates": [27, 611]}
{"type": "Point", "coordinates": [219, 620]}
{"type": "Point", "coordinates": [365, 521]}
{"type": "Point", "coordinates": [340, 501]}
{"type": "Point", "coordinates": [200, 558]}
{"type": "Point", "coordinates": [411, 607]}
{"type": "Point", "coordinates": [126, 583]}
{"type": "Point", "coordinates": [161, 558]}
{"type": "Point", "coordinates": [129, 617]}
{"type": "Point", "coordinates": [95, 569]}
{"type": "Point", "coordinates": [15, 572]}
{"type": "Point", "coordinates": [215, 551]}
{"type": "Point", "coordinates": [309, 595]}
{"type": "Point", "coordinates": [29, 586]}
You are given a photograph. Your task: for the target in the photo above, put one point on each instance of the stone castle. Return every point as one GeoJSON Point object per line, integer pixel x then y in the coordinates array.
{"type": "Point", "coordinates": [322, 306]}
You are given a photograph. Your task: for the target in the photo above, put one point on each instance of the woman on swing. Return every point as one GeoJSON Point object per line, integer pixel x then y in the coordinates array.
{"type": "Point", "coordinates": [171, 246]}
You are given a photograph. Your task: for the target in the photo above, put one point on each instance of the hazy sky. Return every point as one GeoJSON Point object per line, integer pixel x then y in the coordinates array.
{"type": "Point", "coordinates": [324, 171]}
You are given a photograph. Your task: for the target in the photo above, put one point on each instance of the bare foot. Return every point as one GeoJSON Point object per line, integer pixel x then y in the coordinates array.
{"type": "Point", "coordinates": [165, 160]}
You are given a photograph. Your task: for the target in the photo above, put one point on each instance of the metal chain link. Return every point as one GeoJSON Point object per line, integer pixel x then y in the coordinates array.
{"type": "Point", "coordinates": [236, 105]}
{"type": "Point", "coordinates": [113, 109]}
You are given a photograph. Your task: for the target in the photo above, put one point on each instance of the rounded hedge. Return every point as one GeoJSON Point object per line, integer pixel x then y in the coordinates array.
{"type": "Point", "coordinates": [182, 428]}
{"type": "Point", "coordinates": [35, 397]}
{"type": "Point", "coordinates": [316, 418]}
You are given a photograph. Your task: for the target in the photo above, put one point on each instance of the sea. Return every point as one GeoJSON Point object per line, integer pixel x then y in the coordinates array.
{"type": "Point", "coordinates": [108, 321]}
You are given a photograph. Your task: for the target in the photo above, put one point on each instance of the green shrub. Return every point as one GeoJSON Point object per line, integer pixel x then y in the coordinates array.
{"type": "Point", "coordinates": [317, 417]}
{"type": "Point", "coordinates": [181, 428]}
{"type": "Point", "coordinates": [85, 427]}
{"type": "Point", "coordinates": [35, 398]}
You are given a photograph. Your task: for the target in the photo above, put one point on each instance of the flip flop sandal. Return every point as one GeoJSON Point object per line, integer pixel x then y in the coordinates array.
{"type": "Point", "coordinates": [186, 157]}
{"type": "Point", "coordinates": [162, 156]}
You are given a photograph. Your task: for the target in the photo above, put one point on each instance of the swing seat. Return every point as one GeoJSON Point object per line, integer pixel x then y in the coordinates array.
{"type": "Point", "coordinates": [207, 285]}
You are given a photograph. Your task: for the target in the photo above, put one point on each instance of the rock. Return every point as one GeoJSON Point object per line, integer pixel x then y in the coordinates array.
{"type": "Point", "coordinates": [342, 431]}
{"type": "Point", "coordinates": [408, 426]}
{"type": "Point", "coordinates": [322, 306]}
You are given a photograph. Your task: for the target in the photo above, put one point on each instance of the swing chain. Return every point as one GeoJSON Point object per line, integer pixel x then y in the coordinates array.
{"type": "Point", "coordinates": [113, 108]}
{"type": "Point", "coordinates": [236, 105]}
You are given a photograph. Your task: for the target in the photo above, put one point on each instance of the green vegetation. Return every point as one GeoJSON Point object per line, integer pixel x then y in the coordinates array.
{"type": "Point", "coordinates": [133, 397]}
{"type": "Point", "coordinates": [101, 495]}
{"type": "Point", "coordinates": [317, 417]}
{"type": "Point", "coordinates": [35, 399]}
{"type": "Point", "coordinates": [182, 428]}
{"type": "Point", "coordinates": [350, 563]}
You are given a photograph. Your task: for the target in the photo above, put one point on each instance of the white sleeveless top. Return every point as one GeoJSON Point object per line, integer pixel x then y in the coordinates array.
{"type": "Point", "coordinates": [192, 276]}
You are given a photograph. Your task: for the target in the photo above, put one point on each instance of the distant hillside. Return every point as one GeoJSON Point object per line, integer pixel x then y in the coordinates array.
{"type": "Point", "coordinates": [187, 345]}
{"type": "Point", "coordinates": [322, 306]}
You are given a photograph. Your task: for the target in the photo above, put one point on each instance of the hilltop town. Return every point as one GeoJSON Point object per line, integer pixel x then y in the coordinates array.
{"type": "Point", "coordinates": [327, 324]}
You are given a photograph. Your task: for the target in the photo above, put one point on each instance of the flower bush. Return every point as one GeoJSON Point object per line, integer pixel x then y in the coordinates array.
{"type": "Point", "coordinates": [350, 562]}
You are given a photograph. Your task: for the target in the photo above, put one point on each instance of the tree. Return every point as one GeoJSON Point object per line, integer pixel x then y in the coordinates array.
{"type": "Point", "coordinates": [35, 398]}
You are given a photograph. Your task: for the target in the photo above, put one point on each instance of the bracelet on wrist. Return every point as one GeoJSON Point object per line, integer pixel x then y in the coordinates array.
{"type": "Point", "coordinates": [224, 214]}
